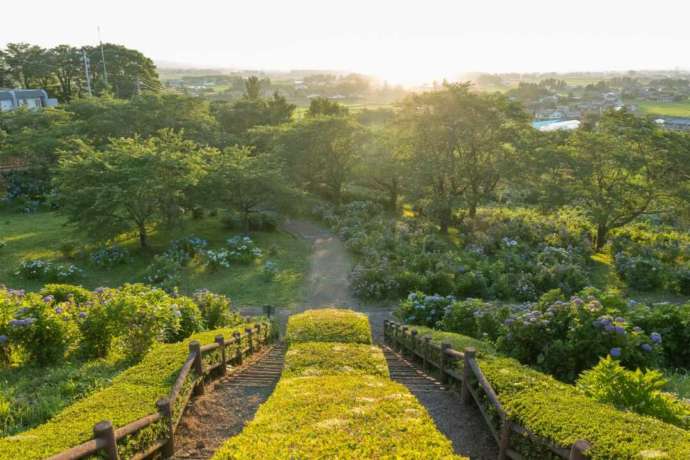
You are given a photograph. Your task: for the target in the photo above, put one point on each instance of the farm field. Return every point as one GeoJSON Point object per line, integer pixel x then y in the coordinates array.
{"type": "Point", "coordinates": [43, 235]}
{"type": "Point", "coordinates": [671, 109]}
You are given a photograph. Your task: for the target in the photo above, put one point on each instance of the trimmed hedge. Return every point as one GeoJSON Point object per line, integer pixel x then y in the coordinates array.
{"type": "Point", "coordinates": [132, 395]}
{"type": "Point", "coordinates": [329, 325]}
{"type": "Point", "coordinates": [323, 358]}
{"type": "Point", "coordinates": [557, 411]}
{"type": "Point", "coordinates": [339, 417]}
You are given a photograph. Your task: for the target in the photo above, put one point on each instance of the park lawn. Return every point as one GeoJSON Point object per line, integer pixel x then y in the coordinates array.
{"type": "Point", "coordinates": [41, 235]}
{"type": "Point", "coordinates": [671, 109]}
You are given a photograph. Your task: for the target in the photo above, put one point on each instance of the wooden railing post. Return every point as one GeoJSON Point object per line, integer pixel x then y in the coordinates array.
{"type": "Point", "coordinates": [165, 409]}
{"type": "Point", "coordinates": [385, 331]}
{"type": "Point", "coordinates": [238, 342]}
{"type": "Point", "coordinates": [444, 362]}
{"type": "Point", "coordinates": [470, 354]}
{"type": "Point", "coordinates": [195, 347]}
{"type": "Point", "coordinates": [223, 361]}
{"type": "Point", "coordinates": [579, 449]}
{"type": "Point", "coordinates": [250, 339]}
{"type": "Point", "coordinates": [105, 431]}
{"type": "Point", "coordinates": [403, 340]}
{"type": "Point", "coordinates": [504, 440]}
{"type": "Point", "coordinates": [258, 336]}
{"type": "Point", "coordinates": [426, 352]}
{"type": "Point", "coordinates": [413, 340]}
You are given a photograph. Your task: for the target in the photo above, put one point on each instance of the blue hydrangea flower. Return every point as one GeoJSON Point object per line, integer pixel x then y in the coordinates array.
{"type": "Point", "coordinates": [620, 319]}
{"type": "Point", "coordinates": [656, 337]}
{"type": "Point", "coordinates": [646, 347]}
{"type": "Point", "coordinates": [3, 339]}
{"type": "Point", "coordinates": [615, 352]}
{"type": "Point", "coordinates": [620, 330]}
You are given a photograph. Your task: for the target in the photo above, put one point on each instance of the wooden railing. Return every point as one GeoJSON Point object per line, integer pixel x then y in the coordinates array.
{"type": "Point", "coordinates": [202, 363]}
{"type": "Point", "coordinates": [473, 386]}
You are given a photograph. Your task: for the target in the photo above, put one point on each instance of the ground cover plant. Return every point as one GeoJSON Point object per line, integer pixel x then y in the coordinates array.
{"type": "Point", "coordinates": [335, 400]}
{"type": "Point", "coordinates": [40, 236]}
{"type": "Point", "coordinates": [132, 395]}
{"type": "Point", "coordinates": [561, 413]}
{"type": "Point", "coordinates": [329, 325]}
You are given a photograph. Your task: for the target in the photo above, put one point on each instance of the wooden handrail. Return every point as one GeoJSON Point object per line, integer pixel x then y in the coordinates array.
{"type": "Point", "coordinates": [397, 335]}
{"type": "Point", "coordinates": [106, 437]}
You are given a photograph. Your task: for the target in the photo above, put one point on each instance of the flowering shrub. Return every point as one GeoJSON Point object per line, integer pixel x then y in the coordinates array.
{"type": "Point", "coordinates": [38, 269]}
{"type": "Point", "coordinates": [637, 391]}
{"type": "Point", "coordinates": [670, 324]}
{"type": "Point", "coordinates": [188, 320]}
{"type": "Point", "coordinates": [66, 292]}
{"type": "Point", "coordinates": [185, 249]}
{"type": "Point", "coordinates": [270, 270]}
{"type": "Point", "coordinates": [216, 260]}
{"type": "Point", "coordinates": [242, 249]}
{"type": "Point", "coordinates": [109, 257]}
{"type": "Point", "coordinates": [425, 310]}
{"type": "Point", "coordinates": [216, 309]}
{"type": "Point", "coordinates": [165, 271]}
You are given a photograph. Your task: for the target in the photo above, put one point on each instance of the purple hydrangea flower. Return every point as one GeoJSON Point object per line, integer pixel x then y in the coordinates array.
{"type": "Point", "coordinates": [615, 352]}
{"type": "Point", "coordinates": [58, 310]}
{"type": "Point", "coordinates": [646, 347]}
{"type": "Point", "coordinates": [656, 337]}
{"type": "Point", "coordinates": [609, 328]}
{"type": "Point", "coordinates": [99, 290]}
{"type": "Point", "coordinates": [48, 299]}
{"type": "Point", "coordinates": [620, 319]}
{"type": "Point", "coordinates": [82, 314]}
{"type": "Point", "coordinates": [637, 329]}
{"type": "Point", "coordinates": [620, 330]}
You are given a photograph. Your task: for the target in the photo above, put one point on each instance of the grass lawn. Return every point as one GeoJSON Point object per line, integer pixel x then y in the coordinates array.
{"type": "Point", "coordinates": [671, 109]}
{"type": "Point", "coordinates": [40, 235]}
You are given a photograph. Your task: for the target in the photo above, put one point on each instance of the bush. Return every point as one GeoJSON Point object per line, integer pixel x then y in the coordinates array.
{"type": "Point", "coordinates": [310, 359]}
{"type": "Point", "coordinates": [165, 271]}
{"type": "Point", "coordinates": [109, 257]}
{"type": "Point", "coordinates": [185, 249]}
{"type": "Point", "coordinates": [215, 309]}
{"type": "Point", "coordinates": [671, 325]}
{"type": "Point", "coordinates": [67, 292]}
{"type": "Point", "coordinates": [37, 269]}
{"type": "Point", "coordinates": [131, 396]}
{"type": "Point", "coordinates": [637, 391]}
{"type": "Point", "coordinates": [215, 260]}
{"type": "Point", "coordinates": [269, 271]}
{"type": "Point", "coordinates": [263, 222]}
{"type": "Point", "coordinates": [560, 413]}
{"type": "Point", "coordinates": [344, 417]}
{"type": "Point", "coordinates": [329, 325]}
{"type": "Point", "coordinates": [243, 250]}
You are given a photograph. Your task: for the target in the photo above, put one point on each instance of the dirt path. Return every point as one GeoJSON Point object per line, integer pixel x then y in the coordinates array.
{"type": "Point", "coordinates": [227, 405]}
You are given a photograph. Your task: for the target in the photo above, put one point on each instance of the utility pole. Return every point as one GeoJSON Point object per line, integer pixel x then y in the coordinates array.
{"type": "Point", "coordinates": [105, 71]}
{"type": "Point", "coordinates": [86, 70]}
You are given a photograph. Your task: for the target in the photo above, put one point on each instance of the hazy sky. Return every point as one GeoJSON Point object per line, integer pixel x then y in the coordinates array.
{"type": "Point", "coordinates": [402, 41]}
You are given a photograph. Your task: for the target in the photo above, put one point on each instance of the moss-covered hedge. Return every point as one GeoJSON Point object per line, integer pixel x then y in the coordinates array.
{"type": "Point", "coordinates": [329, 325]}
{"type": "Point", "coordinates": [557, 411]}
{"type": "Point", "coordinates": [132, 395]}
{"type": "Point", "coordinates": [339, 417]}
{"type": "Point", "coordinates": [330, 358]}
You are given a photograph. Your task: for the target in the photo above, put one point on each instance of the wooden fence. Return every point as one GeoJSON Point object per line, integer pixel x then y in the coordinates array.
{"type": "Point", "coordinates": [202, 363]}
{"type": "Point", "coordinates": [473, 386]}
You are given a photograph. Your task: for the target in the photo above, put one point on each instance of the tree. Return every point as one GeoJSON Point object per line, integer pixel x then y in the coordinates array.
{"type": "Point", "coordinates": [252, 88]}
{"type": "Point", "coordinates": [244, 181]}
{"type": "Point", "coordinates": [382, 166]}
{"type": "Point", "coordinates": [131, 185]}
{"type": "Point", "coordinates": [615, 171]}
{"type": "Point", "coordinates": [318, 153]}
{"type": "Point", "coordinates": [66, 64]}
{"type": "Point", "coordinates": [129, 72]}
{"type": "Point", "coordinates": [28, 65]}
{"type": "Point", "coordinates": [461, 145]}
{"type": "Point", "coordinates": [321, 106]}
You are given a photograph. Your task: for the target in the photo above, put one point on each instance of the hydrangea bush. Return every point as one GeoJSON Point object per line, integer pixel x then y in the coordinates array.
{"type": "Point", "coordinates": [38, 269]}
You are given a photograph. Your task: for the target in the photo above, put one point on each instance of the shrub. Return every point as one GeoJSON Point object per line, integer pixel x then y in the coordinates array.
{"type": "Point", "coordinates": [357, 417]}
{"type": "Point", "coordinates": [109, 257]}
{"type": "Point", "coordinates": [243, 250]}
{"type": "Point", "coordinates": [190, 320]}
{"type": "Point", "coordinates": [216, 260]}
{"type": "Point", "coordinates": [329, 325]}
{"type": "Point", "coordinates": [185, 249]}
{"type": "Point", "coordinates": [425, 310]}
{"type": "Point", "coordinates": [323, 358]}
{"type": "Point", "coordinates": [215, 309]}
{"type": "Point", "coordinates": [269, 271]}
{"type": "Point", "coordinates": [263, 222]}
{"type": "Point", "coordinates": [637, 391]}
{"type": "Point", "coordinates": [67, 292]}
{"type": "Point", "coordinates": [671, 323]}
{"type": "Point", "coordinates": [131, 396]}
{"type": "Point", "coordinates": [165, 271]}
{"type": "Point", "coordinates": [561, 414]}
{"type": "Point", "coordinates": [475, 318]}
{"type": "Point", "coordinates": [37, 269]}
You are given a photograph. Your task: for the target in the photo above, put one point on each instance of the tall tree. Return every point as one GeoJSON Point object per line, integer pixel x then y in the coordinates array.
{"type": "Point", "coordinates": [322, 106]}
{"type": "Point", "coordinates": [129, 72]}
{"type": "Point", "coordinates": [28, 65]}
{"type": "Point", "coordinates": [66, 63]}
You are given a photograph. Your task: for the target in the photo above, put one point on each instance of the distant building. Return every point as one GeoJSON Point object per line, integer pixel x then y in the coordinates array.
{"type": "Point", "coordinates": [674, 123]}
{"type": "Point", "coordinates": [11, 99]}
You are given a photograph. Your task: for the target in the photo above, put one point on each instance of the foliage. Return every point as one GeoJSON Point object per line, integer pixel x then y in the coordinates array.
{"type": "Point", "coordinates": [38, 269]}
{"type": "Point", "coordinates": [671, 323]}
{"type": "Point", "coordinates": [637, 391]}
{"type": "Point", "coordinates": [109, 256]}
{"type": "Point", "coordinates": [329, 325]}
{"type": "Point", "coordinates": [270, 270]}
{"type": "Point", "coordinates": [242, 250]}
{"type": "Point", "coordinates": [164, 271]}
{"type": "Point", "coordinates": [560, 413]}
{"type": "Point", "coordinates": [312, 359]}
{"type": "Point", "coordinates": [320, 106]}
{"type": "Point", "coordinates": [216, 309]}
{"type": "Point", "coordinates": [132, 395]}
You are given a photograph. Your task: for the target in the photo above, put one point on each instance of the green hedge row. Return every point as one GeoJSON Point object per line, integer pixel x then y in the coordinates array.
{"type": "Point", "coordinates": [331, 358]}
{"type": "Point", "coordinates": [558, 412]}
{"type": "Point", "coordinates": [326, 406]}
{"type": "Point", "coordinates": [131, 396]}
{"type": "Point", "coordinates": [329, 325]}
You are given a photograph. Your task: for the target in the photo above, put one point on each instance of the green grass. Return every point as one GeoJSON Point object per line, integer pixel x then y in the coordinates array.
{"type": "Point", "coordinates": [311, 359]}
{"type": "Point", "coordinates": [671, 109]}
{"type": "Point", "coordinates": [31, 395]}
{"type": "Point", "coordinates": [329, 325]}
{"type": "Point", "coordinates": [679, 383]}
{"type": "Point", "coordinates": [40, 235]}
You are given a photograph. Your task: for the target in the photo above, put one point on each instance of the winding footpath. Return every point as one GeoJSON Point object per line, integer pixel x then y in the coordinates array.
{"type": "Point", "coordinates": [222, 412]}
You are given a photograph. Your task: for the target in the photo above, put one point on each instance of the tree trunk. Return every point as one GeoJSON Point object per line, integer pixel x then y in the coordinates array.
{"type": "Point", "coordinates": [444, 219]}
{"type": "Point", "coordinates": [143, 237]}
{"type": "Point", "coordinates": [602, 234]}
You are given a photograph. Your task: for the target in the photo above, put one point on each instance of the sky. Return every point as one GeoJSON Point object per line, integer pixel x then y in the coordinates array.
{"type": "Point", "coordinates": [407, 42]}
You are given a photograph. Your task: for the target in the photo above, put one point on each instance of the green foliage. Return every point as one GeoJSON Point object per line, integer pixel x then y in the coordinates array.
{"type": "Point", "coordinates": [637, 391]}
{"type": "Point", "coordinates": [312, 359]}
{"type": "Point", "coordinates": [132, 395]}
{"type": "Point", "coordinates": [329, 325]}
{"type": "Point", "coordinates": [216, 309]}
{"type": "Point", "coordinates": [320, 106]}
{"type": "Point", "coordinates": [356, 417]}
{"type": "Point", "coordinates": [66, 292]}
{"type": "Point", "coordinates": [672, 322]}
{"type": "Point", "coordinates": [41, 270]}
{"type": "Point", "coordinates": [560, 413]}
